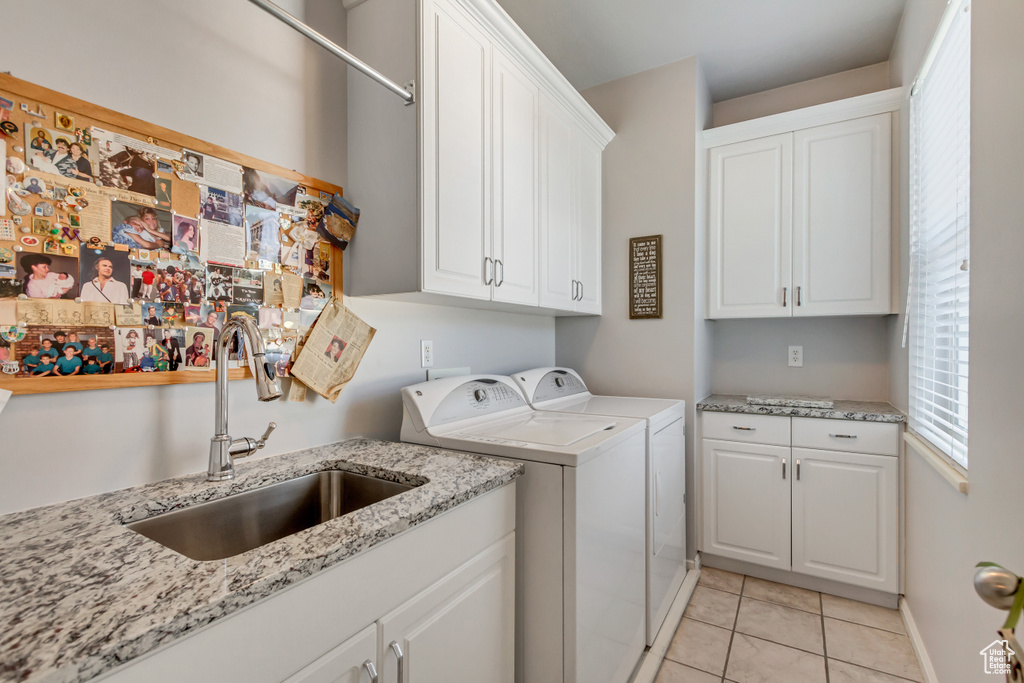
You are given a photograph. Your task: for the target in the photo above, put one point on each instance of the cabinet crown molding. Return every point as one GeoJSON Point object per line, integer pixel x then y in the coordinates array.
{"type": "Point", "coordinates": [515, 40]}
{"type": "Point", "coordinates": [808, 117]}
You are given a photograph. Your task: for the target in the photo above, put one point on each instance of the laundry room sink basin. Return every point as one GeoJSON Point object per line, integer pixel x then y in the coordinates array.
{"type": "Point", "coordinates": [232, 525]}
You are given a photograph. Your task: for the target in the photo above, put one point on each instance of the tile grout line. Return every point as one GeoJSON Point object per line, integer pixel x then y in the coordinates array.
{"type": "Point", "coordinates": [779, 604]}
{"type": "Point", "coordinates": [869, 668]}
{"type": "Point", "coordinates": [824, 645]}
{"type": "Point", "coordinates": [732, 635]}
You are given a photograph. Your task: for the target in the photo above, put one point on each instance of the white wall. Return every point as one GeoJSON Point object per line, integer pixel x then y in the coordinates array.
{"type": "Point", "coordinates": [648, 189]}
{"type": "Point", "coordinates": [948, 532]}
{"type": "Point", "coordinates": [844, 358]}
{"type": "Point", "coordinates": [231, 74]}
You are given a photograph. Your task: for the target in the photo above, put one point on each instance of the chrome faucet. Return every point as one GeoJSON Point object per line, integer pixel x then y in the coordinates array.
{"type": "Point", "coordinates": [223, 449]}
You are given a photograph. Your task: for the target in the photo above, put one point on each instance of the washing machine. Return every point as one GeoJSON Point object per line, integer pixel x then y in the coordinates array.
{"type": "Point", "coordinates": [580, 586]}
{"type": "Point", "coordinates": [563, 390]}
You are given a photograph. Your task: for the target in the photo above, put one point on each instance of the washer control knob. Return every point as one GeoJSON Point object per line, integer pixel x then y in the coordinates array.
{"type": "Point", "coordinates": [480, 395]}
{"type": "Point", "coordinates": [559, 382]}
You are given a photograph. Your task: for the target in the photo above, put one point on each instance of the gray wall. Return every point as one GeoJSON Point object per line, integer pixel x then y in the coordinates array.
{"type": "Point", "coordinates": [948, 532]}
{"type": "Point", "coordinates": [231, 74]}
{"type": "Point", "coordinates": [648, 188]}
{"type": "Point", "coordinates": [844, 358]}
{"type": "Point", "coordinates": [838, 86]}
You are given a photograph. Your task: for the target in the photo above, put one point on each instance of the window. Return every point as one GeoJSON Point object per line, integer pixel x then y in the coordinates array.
{"type": "Point", "coordinates": [937, 309]}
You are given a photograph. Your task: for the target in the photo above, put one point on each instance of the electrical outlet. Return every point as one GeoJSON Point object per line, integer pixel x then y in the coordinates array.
{"type": "Point", "coordinates": [426, 353]}
{"type": "Point", "coordinates": [796, 356]}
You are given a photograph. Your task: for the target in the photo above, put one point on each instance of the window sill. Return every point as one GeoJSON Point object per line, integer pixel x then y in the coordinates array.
{"type": "Point", "coordinates": [938, 461]}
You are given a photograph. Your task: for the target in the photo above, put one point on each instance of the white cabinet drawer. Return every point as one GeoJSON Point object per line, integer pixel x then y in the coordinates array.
{"type": "Point", "coordinates": [766, 429]}
{"type": "Point", "coordinates": [880, 438]}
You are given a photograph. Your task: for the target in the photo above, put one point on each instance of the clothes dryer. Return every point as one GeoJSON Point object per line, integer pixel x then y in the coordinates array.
{"type": "Point", "coordinates": [563, 390]}
{"type": "Point", "coordinates": [580, 589]}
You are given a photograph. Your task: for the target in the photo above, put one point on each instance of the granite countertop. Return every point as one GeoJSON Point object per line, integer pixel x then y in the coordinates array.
{"type": "Point", "coordinates": [864, 411]}
{"type": "Point", "coordinates": [81, 594]}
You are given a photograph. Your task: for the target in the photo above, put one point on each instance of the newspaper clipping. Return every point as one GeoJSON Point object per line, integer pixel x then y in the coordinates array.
{"type": "Point", "coordinates": [332, 350]}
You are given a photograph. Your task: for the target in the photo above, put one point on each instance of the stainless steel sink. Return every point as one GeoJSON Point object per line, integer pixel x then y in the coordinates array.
{"type": "Point", "coordinates": [232, 525]}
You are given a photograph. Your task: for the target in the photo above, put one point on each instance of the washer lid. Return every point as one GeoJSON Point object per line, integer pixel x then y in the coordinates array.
{"type": "Point", "coordinates": [545, 430]}
{"type": "Point", "coordinates": [625, 406]}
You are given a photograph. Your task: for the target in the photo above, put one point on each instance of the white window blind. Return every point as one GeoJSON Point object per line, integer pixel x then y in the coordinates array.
{"type": "Point", "coordinates": [940, 237]}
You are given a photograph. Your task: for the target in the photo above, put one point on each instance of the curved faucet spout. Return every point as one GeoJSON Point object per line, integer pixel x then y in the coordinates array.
{"type": "Point", "coordinates": [223, 449]}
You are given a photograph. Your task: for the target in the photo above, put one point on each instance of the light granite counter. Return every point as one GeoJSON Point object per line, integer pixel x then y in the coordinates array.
{"type": "Point", "coordinates": [81, 594]}
{"type": "Point", "coordinates": [864, 411]}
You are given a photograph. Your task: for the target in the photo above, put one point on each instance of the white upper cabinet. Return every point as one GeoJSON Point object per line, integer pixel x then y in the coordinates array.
{"type": "Point", "coordinates": [751, 228]}
{"type": "Point", "coordinates": [570, 215]}
{"type": "Point", "coordinates": [557, 282]}
{"type": "Point", "coordinates": [799, 213]}
{"type": "Point", "coordinates": [841, 192]}
{"type": "Point", "coordinates": [516, 207]}
{"type": "Point", "coordinates": [587, 224]}
{"type": "Point", "coordinates": [456, 145]}
{"type": "Point", "coordinates": [456, 190]}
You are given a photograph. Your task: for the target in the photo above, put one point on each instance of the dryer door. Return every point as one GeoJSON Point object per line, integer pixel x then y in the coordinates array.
{"type": "Point", "coordinates": [666, 522]}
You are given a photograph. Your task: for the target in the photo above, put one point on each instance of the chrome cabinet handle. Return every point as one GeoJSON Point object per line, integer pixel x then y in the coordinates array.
{"type": "Point", "coordinates": [797, 296]}
{"type": "Point", "coordinates": [783, 468]}
{"type": "Point", "coordinates": [498, 264]}
{"type": "Point", "coordinates": [798, 470]}
{"type": "Point", "coordinates": [784, 296]}
{"type": "Point", "coordinates": [843, 436]}
{"type": "Point", "coordinates": [397, 649]}
{"type": "Point", "coordinates": [574, 289]}
{"type": "Point", "coordinates": [488, 268]}
{"type": "Point", "coordinates": [581, 291]}
{"type": "Point", "coordinates": [370, 669]}
{"type": "Point", "coordinates": [745, 429]}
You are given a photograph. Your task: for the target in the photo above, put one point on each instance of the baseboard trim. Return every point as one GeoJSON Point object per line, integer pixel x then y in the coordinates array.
{"type": "Point", "coordinates": [925, 662]}
{"type": "Point", "coordinates": [648, 669]}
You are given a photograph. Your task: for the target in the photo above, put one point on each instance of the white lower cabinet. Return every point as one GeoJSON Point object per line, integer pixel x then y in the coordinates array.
{"type": "Point", "coordinates": [442, 594]}
{"type": "Point", "coordinates": [460, 629]}
{"type": "Point", "coordinates": [746, 502]}
{"type": "Point", "coordinates": [826, 512]}
{"type": "Point", "coordinates": [354, 661]}
{"type": "Point", "coordinates": [845, 526]}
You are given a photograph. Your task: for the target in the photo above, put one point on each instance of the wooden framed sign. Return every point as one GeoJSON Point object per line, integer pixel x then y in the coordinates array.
{"type": "Point", "coordinates": [645, 277]}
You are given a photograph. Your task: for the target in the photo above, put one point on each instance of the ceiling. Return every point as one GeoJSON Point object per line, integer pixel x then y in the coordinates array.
{"type": "Point", "coordinates": [745, 46]}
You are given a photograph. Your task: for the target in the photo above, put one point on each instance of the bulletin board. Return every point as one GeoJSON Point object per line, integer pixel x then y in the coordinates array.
{"type": "Point", "coordinates": [131, 244]}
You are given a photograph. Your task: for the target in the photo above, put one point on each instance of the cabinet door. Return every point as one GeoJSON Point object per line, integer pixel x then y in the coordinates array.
{"type": "Point", "coordinates": [841, 218]}
{"type": "Point", "coordinates": [750, 236]}
{"type": "Point", "coordinates": [587, 223]}
{"type": "Point", "coordinates": [345, 663]}
{"type": "Point", "coordinates": [845, 525]}
{"type": "Point", "coordinates": [455, 110]}
{"type": "Point", "coordinates": [746, 502]}
{"type": "Point", "coordinates": [459, 629]}
{"type": "Point", "coordinates": [516, 207]}
{"type": "Point", "coordinates": [557, 286]}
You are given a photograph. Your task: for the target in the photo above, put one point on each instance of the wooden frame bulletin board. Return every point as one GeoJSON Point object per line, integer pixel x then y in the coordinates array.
{"type": "Point", "coordinates": [84, 116]}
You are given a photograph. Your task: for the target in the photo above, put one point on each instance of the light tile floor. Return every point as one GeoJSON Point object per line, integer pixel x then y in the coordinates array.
{"type": "Point", "coordinates": [739, 629]}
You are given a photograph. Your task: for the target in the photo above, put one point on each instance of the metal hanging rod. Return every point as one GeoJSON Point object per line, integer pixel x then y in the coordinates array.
{"type": "Point", "coordinates": [323, 42]}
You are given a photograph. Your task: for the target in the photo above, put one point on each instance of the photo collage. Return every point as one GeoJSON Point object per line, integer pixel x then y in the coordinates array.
{"type": "Point", "coordinates": [121, 256]}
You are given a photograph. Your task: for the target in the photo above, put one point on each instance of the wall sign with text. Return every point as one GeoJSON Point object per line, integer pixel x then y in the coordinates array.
{"type": "Point", "coordinates": [645, 277]}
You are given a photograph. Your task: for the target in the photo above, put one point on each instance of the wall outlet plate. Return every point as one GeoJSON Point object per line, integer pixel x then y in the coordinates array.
{"type": "Point", "coordinates": [796, 356]}
{"type": "Point", "coordinates": [426, 353]}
